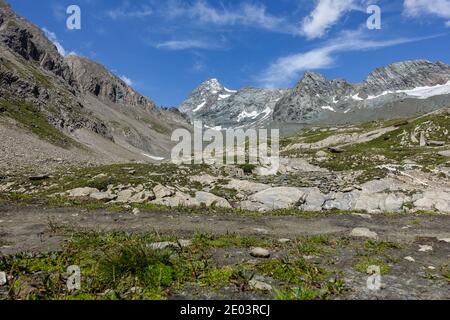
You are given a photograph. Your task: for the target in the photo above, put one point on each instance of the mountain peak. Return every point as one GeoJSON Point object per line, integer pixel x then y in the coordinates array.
{"type": "Point", "coordinates": [311, 78]}
{"type": "Point", "coordinates": [213, 85]}
{"type": "Point", "coordinates": [96, 79]}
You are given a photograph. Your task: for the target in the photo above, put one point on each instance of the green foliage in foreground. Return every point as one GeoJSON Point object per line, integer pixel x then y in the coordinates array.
{"type": "Point", "coordinates": [124, 266]}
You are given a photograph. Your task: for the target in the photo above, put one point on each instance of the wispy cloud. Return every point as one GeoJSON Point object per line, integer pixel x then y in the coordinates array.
{"type": "Point", "coordinates": [198, 66]}
{"type": "Point", "coordinates": [59, 12]}
{"type": "Point", "coordinates": [127, 80]}
{"type": "Point", "coordinates": [328, 13]}
{"type": "Point", "coordinates": [420, 8]}
{"type": "Point", "coordinates": [53, 38]}
{"type": "Point", "coordinates": [325, 14]}
{"type": "Point", "coordinates": [188, 44]}
{"type": "Point", "coordinates": [128, 12]}
{"type": "Point", "coordinates": [287, 69]}
{"type": "Point", "coordinates": [439, 8]}
{"type": "Point", "coordinates": [244, 14]}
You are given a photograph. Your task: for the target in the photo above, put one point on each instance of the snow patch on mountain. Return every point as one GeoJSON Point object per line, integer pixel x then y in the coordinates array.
{"type": "Point", "coordinates": [224, 96]}
{"type": "Point", "coordinates": [229, 90]}
{"type": "Point", "coordinates": [427, 92]}
{"type": "Point", "coordinates": [201, 105]}
{"type": "Point", "coordinates": [328, 108]}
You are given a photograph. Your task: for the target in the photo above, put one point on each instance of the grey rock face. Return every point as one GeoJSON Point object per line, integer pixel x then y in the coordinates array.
{"type": "Point", "coordinates": [315, 97]}
{"type": "Point", "coordinates": [405, 75]}
{"type": "Point", "coordinates": [30, 42]}
{"type": "Point", "coordinates": [219, 107]}
{"type": "Point", "coordinates": [94, 78]}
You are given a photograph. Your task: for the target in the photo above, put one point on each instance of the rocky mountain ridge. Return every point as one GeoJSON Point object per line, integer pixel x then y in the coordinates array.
{"type": "Point", "coordinates": [316, 99]}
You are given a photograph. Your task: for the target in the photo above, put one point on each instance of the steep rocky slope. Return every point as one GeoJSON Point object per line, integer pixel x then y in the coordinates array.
{"type": "Point", "coordinates": [74, 102]}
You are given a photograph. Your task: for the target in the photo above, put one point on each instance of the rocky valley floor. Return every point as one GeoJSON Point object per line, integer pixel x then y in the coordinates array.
{"type": "Point", "coordinates": [193, 255]}
{"type": "Point", "coordinates": [345, 203]}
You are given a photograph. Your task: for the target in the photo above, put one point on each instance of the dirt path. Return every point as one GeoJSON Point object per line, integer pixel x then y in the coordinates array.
{"type": "Point", "coordinates": [30, 228]}
{"type": "Point", "coordinates": [414, 274]}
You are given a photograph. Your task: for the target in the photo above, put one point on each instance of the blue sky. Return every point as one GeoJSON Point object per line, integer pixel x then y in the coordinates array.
{"type": "Point", "coordinates": [165, 48]}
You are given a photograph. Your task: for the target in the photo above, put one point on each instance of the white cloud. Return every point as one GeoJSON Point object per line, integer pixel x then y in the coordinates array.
{"type": "Point", "coordinates": [287, 69]}
{"type": "Point", "coordinates": [198, 66]}
{"type": "Point", "coordinates": [326, 14]}
{"type": "Point", "coordinates": [127, 80]}
{"type": "Point", "coordinates": [246, 14]}
{"type": "Point", "coordinates": [447, 24]}
{"type": "Point", "coordinates": [52, 37]}
{"type": "Point", "coordinates": [128, 13]}
{"type": "Point", "coordinates": [417, 8]}
{"type": "Point", "coordinates": [186, 44]}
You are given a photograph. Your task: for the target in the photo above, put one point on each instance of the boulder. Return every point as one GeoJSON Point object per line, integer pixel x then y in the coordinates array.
{"type": "Point", "coordinates": [372, 203]}
{"type": "Point", "coordinates": [314, 200]}
{"type": "Point", "coordinates": [379, 185]}
{"type": "Point", "coordinates": [161, 192]}
{"type": "Point", "coordinates": [425, 248]}
{"type": "Point", "coordinates": [277, 198]}
{"type": "Point", "coordinates": [247, 187]}
{"type": "Point", "coordinates": [251, 206]}
{"type": "Point", "coordinates": [142, 197]}
{"type": "Point", "coordinates": [260, 253]}
{"type": "Point", "coordinates": [259, 285]}
{"type": "Point", "coordinates": [209, 199]}
{"type": "Point", "coordinates": [394, 202]}
{"type": "Point", "coordinates": [342, 201]}
{"type": "Point", "coordinates": [445, 153]}
{"type": "Point", "coordinates": [179, 199]}
{"type": "Point", "coordinates": [103, 196]}
{"type": "Point", "coordinates": [82, 192]}
{"type": "Point", "coordinates": [124, 196]}
{"type": "Point", "coordinates": [434, 200]}
{"type": "Point", "coordinates": [3, 279]}
{"type": "Point", "coordinates": [363, 233]}
{"type": "Point", "coordinates": [185, 243]}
